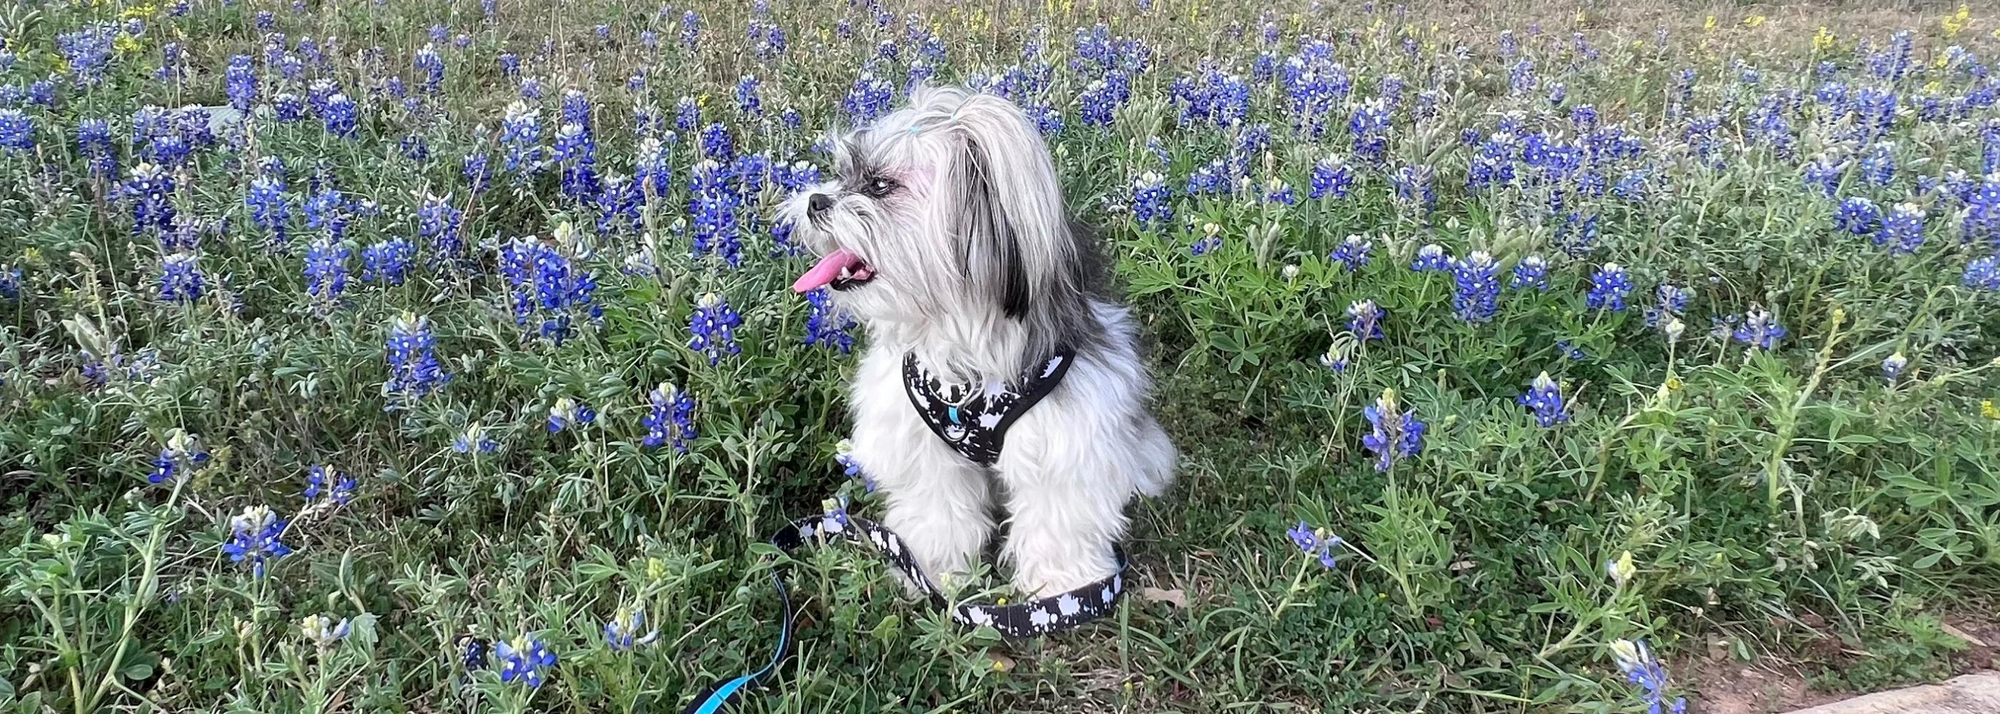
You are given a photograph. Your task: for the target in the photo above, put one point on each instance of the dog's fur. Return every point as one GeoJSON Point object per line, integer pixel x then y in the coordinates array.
{"type": "Point", "coordinates": [980, 272]}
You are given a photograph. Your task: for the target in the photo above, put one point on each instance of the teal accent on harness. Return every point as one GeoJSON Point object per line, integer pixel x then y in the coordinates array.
{"type": "Point", "coordinates": [952, 414]}
{"type": "Point", "coordinates": [722, 694]}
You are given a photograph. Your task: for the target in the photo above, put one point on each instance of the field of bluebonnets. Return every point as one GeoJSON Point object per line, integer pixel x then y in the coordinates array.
{"type": "Point", "coordinates": [431, 355]}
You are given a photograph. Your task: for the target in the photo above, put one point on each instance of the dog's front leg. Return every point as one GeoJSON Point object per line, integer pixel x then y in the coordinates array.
{"type": "Point", "coordinates": [937, 501]}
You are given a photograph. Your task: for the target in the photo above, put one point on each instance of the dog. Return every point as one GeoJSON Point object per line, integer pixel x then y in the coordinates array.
{"type": "Point", "coordinates": [943, 230]}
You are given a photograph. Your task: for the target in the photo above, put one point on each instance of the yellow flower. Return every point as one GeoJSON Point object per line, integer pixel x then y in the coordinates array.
{"type": "Point", "coordinates": [1986, 409]}
{"type": "Point", "coordinates": [701, 101]}
{"type": "Point", "coordinates": [1956, 22]}
{"type": "Point", "coordinates": [1823, 40]}
{"type": "Point", "coordinates": [1675, 384]}
{"type": "Point", "coordinates": [1708, 24]}
{"type": "Point", "coordinates": [1932, 87]}
{"type": "Point", "coordinates": [655, 570]}
{"type": "Point", "coordinates": [125, 44]}
{"type": "Point", "coordinates": [1582, 17]}
{"type": "Point", "coordinates": [139, 11]}
{"type": "Point", "coordinates": [1753, 21]}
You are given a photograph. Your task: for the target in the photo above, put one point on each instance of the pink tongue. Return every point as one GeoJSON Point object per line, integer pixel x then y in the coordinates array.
{"type": "Point", "coordinates": [826, 271]}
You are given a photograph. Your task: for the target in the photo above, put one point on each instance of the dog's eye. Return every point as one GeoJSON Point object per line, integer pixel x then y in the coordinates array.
{"type": "Point", "coordinates": [878, 187]}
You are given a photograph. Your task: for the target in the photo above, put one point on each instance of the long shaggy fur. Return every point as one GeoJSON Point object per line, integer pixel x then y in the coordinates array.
{"type": "Point", "coordinates": [954, 204]}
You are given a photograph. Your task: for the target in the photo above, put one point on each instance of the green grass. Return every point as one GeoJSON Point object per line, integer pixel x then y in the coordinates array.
{"type": "Point", "coordinates": [1790, 501]}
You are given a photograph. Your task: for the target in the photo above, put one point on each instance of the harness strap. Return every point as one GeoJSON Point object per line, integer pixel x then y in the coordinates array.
{"type": "Point", "coordinates": [1022, 620]}
{"type": "Point", "coordinates": [973, 419]}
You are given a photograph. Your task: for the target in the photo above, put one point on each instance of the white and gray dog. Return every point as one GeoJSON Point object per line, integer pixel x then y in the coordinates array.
{"type": "Point", "coordinates": [944, 231]}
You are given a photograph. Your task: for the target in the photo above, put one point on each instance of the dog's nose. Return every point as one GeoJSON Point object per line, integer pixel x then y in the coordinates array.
{"type": "Point", "coordinates": [819, 203]}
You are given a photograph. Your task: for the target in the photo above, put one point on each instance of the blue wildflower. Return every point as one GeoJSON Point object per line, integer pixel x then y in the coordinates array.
{"type": "Point", "coordinates": [867, 100]}
{"type": "Point", "coordinates": [826, 324]}
{"type": "Point", "coordinates": [339, 116]}
{"type": "Point", "coordinates": [1364, 320]}
{"type": "Point", "coordinates": [1393, 434]}
{"type": "Point", "coordinates": [1641, 668]}
{"type": "Point", "coordinates": [180, 457]}
{"type": "Point", "coordinates": [566, 413]}
{"type": "Point", "coordinates": [17, 130]}
{"type": "Point", "coordinates": [1531, 272]}
{"type": "Point", "coordinates": [712, 327]}
{"type": "Point", "coordinates": [440, 224]}
{"type": "Point", "coordinates": [670, 416]}
{"type": "Point", "coordinates": [1317, 543]}
{"type": "Point", "coordinates": [1477, 284]}
{"type": "Point", "coordinates": [387, 262]}
{"type": "Point", "coordinates": [474, 440]}
{"type": "Point", "coordinates": [411, 354]}
{"type": "Point", "coordinates": [1150, 200]}
{"type": "Point", "coordinates": [149, 189]}
{"type": "Point", "coordinates": [1902, 230]}
{"type": "Point", "coordinates": [180, 278]}
{"type": "Point", "coordinates": [1330, 177]}
{"type": "Point", "coordinates": [1983, 274]}
{"type": "Point", "coordinates": [1609, 287]}
{"type": "Point", "coordinates": [1545, 400]}
{"type": "Point", "coordinates": [10, 282]}
{"type": "Point", "coordinates": [1760, 329]}
{"type": "Point", "coordinates": [525, 659]}
{"type": "Point", "coordinates": [544, 283]}
{"type": "Point", "coordinates": [1892, 366]}
{"type": "Point", "coordinates": [326, 272]}
{"type": "Point", "coordinates": [1431, 257]}
{"type": "Point", "coordinates": [621, 633]}
{"type": "Point", "coordinates": [1858, 216]}
{"type": "Point", "coordinates": [254, 538]}
{"type": "Point", "coordinates": [1352, 252]}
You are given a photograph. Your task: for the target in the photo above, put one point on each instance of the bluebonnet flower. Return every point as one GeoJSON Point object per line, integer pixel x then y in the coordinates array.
{"type": "Point", "coordinates": [1609, 287]}
{"type": "Point", "coordinates": [88, 52]}
{"type": "Point", "coordinates": [521, 133]}
{"type": "Point", "coordinates": [1352, 252]}
{"type": "Point", "coordinates": [93, 141]}
{"type": "Point", "coordinates": [1393, 434]}
{"type": "Point", "coordinates": [621, 633]}
{"type": "Point", "coordinates": [326, 272]}
{"type": "Point", "coordinates": [10, 282]}
{"type": "Point", "coordinates": [1980, 220]}
{"type": "Point", "coordinates": [387, 262]}
{"type": "Point", "coordinates": [1902, 230]}
{"type": "Point", "coordinates": [1211, 178]}
{"type": "Point", "coordinates": [1672, 303]}
{"type": "Point", "coordinates": [1545, 400]}
{"type": "Point", "coordinates": [269, 208]}
{"type": "Point", "coordinates": [474, 440]}
{"type": "Point", "coordinates": [1879, 166]}
{"type": "Point", "coordinates": [1210, 241]}
{"type": "Point", "coordinates": [653, 172]}
{"type": "Point", "coordinates": [288, 107]}
{"type": "Point", "coordinates": [717, 144]}
{"type": "Point", "coordinates": [1521, 78]}
{"type": "Point", "coordinates": [670, 417]}
{"type": "Point", "coordinates": [1641, 668]}
{"type": "Point", "coordinates": [180, 457]}
{"type": "Point", "coordinates": [1370, 127]}
{"type": "Point", "coordinates": [240, 79]}
{"type": "Point", "coordinates": [1531, 272]}
{"type": "Point", "coordinates": [826, 324]}
{"type": "Point", "coordinates": [1858, 216]}
{"type": "Point", "coordinates": [543, 282]}
{"type": "Point", "coordinates": [714, 206]}
{"type": "Point", "coordinates": [1983, 274]}
{"type": "Point", "coordinates": [1477, 287]}
{"type": "Point", "coordinates": [1824, 173]}
{"type": "Point", "coordinates": [712, 327]}
{"type": "Point", "coordinates": [567, 412]}
{"type": "Point", "coordinates": [687, 114]}
{"type": "Point", "coordinates": [1431, 257]}
{"type": "Point", "coordinates": [324, 631]}
{"type": "Point", "coordinates": [411, 353]}
{"type": "Point", "coordinates": [576, 150]}
{"type": "Point", "coordinates": [339, 116]}
{"type": "Point", "coordinates": [1413, 184]}
{"type": "Point", "coordinates": [328, 210]}
{"type": "Point", "coordinates": [618, 205]}
{"type": "Point", "coordinates": [1317, 543]}
{"type": "Point", "coordinates": [577, 109]}
{"type": "Point", "coordinates": [747, 101]}
{"type": "Point", "coordinates": [1277, 191]}
{"type": "Point", "coordinates": [180, 278]}
{"type": "Point", "coordinates": [1330, 177]}
{"type": "Point", "coordinates": [690, 29]}
{"type": "Point", "coordinates": [1100, 101]}
{"type": "Point", "coordinates": [525, 659]}
{"type": "Point", "coordinates": [867, 100]}
{"type": "Point", "coordinates": [440, 224]}
{"type": "Point", "coordinates": [148, 190]}
{"type": "Point", "coordinates": [17, 130]}
{"type": "Point", "coordinates": [1150, 200]}
{"type": "Point", "coordinates": [1892, 367]}
{"type": "Point", "coordinates": [254, 538]}
{"type": "Point", "coordinates": [338, 487]}
{"type": "Point", "coordinates": [1760, 329]}
{"type": "Point", "coordinates": [1364, 319]}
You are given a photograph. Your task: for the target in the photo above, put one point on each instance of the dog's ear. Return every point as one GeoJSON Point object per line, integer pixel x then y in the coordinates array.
{"type": "Point", "coordinates": [989, 247]}
{"type": "Point", "coordinates": [1016, 241]}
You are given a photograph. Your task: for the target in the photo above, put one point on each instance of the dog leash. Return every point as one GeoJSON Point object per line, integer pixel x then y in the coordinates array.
{"type": "Point", "coordinates": [1035, 618]}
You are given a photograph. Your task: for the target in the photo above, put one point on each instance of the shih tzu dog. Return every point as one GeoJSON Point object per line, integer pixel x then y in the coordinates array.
{"type": "Point", "coordinates": [998, 377]}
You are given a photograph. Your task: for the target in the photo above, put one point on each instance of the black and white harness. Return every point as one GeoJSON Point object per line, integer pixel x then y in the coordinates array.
{"type": "Point", "coordinates": [973, 421]}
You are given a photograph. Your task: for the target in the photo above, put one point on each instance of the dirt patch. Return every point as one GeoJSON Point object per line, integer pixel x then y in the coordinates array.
{"type": "Point", "coordinates": [1719, 684]}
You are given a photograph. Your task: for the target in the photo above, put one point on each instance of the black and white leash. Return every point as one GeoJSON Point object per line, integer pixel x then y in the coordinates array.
{"type": "Point", "coordinates": [1020, 620]}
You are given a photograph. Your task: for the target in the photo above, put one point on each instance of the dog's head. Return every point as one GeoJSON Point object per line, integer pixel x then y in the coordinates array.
{"type": "Point", "coordinates": [948, 208]}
